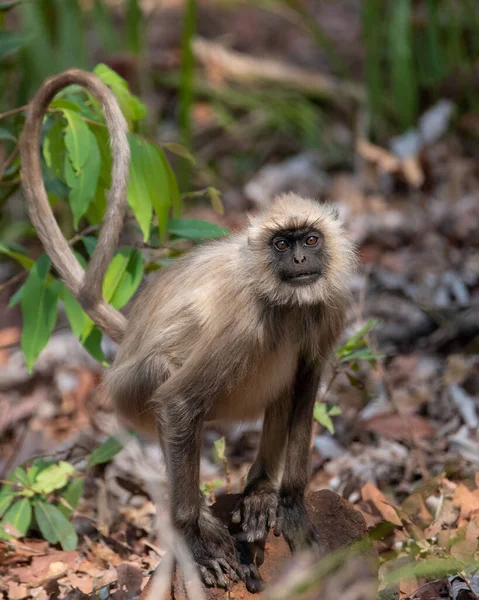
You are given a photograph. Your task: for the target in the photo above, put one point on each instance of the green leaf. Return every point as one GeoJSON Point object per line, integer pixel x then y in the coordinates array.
{"type": "Point", "coordinates": [137, 192]}
{"type": "Point", "coordinates": [196, 229]}
{"type": "Point", "coordinates": [54, 148]}
{"type": "Point", "coordinates": [220, 446]}
{"type": "Point", "coordinates": [72, 495]}
{"type": "Point", "coordinates": [7, 496]}
{"type": "Point", "coordinates": [105, 452]}
{"type": "Point", "coordinates": [123, 277]}
{"type": "Point", "coordinates": [78, 140]}
{"type": "Point", "coordinates": [83, 183]}
{"type": "Point", "coordinates": [156, 179]}
{"type": "Point", "coordinates": [25, 261]}
{"type": "Point", "coordinates": [54, 526]}
{"type": "Point", "coordinates": [321, 415]}
{"type": "Point", "coordinates": [175, 197]}
{"type": "Point", "coordinates": [8, 4]}
{"type": "Point", "coordinates": [19, 475]}
{"type": "Point", "coordinates": [11, 42]}
{"type": "Point", "coordinates": [92, 343]}
{"type": "Point", "coordinates": [215, 198]}
{"type": "Point", "coordinates": [53, 477]}
{"type": "Point", "coordinates": [6, 134]}
{"type": "Point", "coordinates": [64, 104]}
{"type": "Point", "coordinates": [39, 311]}
{"type": "Point", "coordinates": [334, 411]}
{"type": "Point", "coordinates": [80, 322]}
{"type": "Point", "coordinates": [132, 108]}
{"type": "Point", "coordinates": [19, 515]}
{"type": "Point", "coordinates": [179, 150]}
{"type": "Point", "coordinates": [38, 465]}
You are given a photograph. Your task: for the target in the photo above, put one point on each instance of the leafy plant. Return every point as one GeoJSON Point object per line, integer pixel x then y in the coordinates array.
{"type": "Point", "coordinates": [76, 165]}
{"type": "Point", "coordinates": [347, 361]}
{"type": "Point", "coordinates": [44, 495]}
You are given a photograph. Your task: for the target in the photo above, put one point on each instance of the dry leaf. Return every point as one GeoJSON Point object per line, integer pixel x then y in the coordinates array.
{"type": "Point", "coordinates": [397, 427]}
{"type": "Point", "coordinates": [16, 591]}
{"type": "Point", "coordinates": [467, 501]}
{"type": "Point", "coordinates": [384, 159]}
{"type": "Point", "coordinates": [81, 582]}
{"type": "Point", "coordinates": [39, 569]}
{"type": "Point", "coordinates": [468, 546]}
{"type": "Point", "coordinates": [370, 493]}
{"type": "Point", "coordinates": [412, 171]}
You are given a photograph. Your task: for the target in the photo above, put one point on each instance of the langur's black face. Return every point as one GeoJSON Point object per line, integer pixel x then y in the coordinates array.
{"type": "Point", "coordinates": [298, 256]}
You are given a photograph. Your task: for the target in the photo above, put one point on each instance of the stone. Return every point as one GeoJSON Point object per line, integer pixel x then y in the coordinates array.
{"type": "Point", "coordinates": [335, 518]}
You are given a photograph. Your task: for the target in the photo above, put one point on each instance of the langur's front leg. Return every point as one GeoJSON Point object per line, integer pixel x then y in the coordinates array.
{"type": "Point", "coordinates": [209, 541]}
{"type": "Point", "coordinates": [293, 520]}
{"type": "Point", "coordinates": [256, 511]}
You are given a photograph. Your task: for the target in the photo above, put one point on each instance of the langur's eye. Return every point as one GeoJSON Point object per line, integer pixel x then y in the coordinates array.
{"type": "Point", "coordinates": [281, 245]}
{"type": "Point", "coordinates": [312, 240]}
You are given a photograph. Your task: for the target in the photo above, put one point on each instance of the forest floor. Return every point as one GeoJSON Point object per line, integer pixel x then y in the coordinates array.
{"type": "Point", "coordinates": [405, 448]}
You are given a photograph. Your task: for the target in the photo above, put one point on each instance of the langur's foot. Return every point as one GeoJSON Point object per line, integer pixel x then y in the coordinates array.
{"type": "Point", "coordinates": [295, 524]}
{"type": "Point", "coordinates": [256, 511]}
{"type": "Point", "coordinates": [213, 551]}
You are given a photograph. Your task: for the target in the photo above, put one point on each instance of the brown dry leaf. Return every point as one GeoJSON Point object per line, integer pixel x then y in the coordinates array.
{"type": "Point", "coordinates": [31, 547]}
{"type": "Point", "coordinates": [397, 427]}
{"type": "Point", "coordinates": [101, 554]}
{"type": "Point", "coordinates": [457, 369]}
{"type": "Point", "coordinates": [39, 570]}
{"type": "Point", "coordinates": [414, 506]}
{"type": "Point", "coordinates": [370, 493]}
{"type": "Point", "coordinates": [412, 171]}
{"type": "Point", "coordinates": [468, 546]}
{"type": "Point", "coordinates": [16, 591]}
{"type": "Point", "coordinates": [407, 587]}
{"type": "Point", "coordinates": [8, 336]}
{"type": "Point", "coordinates": [39, 593]}
{"type": "Point", "coordinates": [384, 159]}
{"type": "Point", "coordinates": [467, 501]}
{"type": "Point", "coordinates": [81, 582]}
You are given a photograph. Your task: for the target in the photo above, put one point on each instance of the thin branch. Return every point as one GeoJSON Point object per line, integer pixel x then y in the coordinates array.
{"type": "Point", "coordinates": [8, 161]}
{"type": "Point", "coordinates": [13, 111]}
{"type": "Point", "coordinates": [12, 280]}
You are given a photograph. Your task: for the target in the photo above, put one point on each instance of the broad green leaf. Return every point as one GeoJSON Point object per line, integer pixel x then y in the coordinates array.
{"type": "Point", "coordinates": [54, 526]}
{"type": "Point", "coordinates": [64, 104]}
{"type": "Point", "coordinates": [83, 183]}
{"type": "Point", "coordinates": [39, 465]}
{"type": "Point", "coordinates": [53, 477]}
{"type": "Point", "coordinates": [39, 311]}
{"type": "Point", "coordinates": [20, 475]}
{"type": "Point", "coordinates": [179, 150]}
{"type": "Point", "coordinates": [105, 452]}
{"type": "Point", "coordinates": [92, 343]}
{"type": "Point", "coordinates": [54, 148]}
{"type": "Point", "coordinates": [72, 495]}
{"type": "Point", "coordinates": [6, 134]}
{"type": "Point", "coordinates": [103, 140]}
{"type": "Point", "coordinates": [11, 42]}
{"type": "Point", "coordinates": [7, 496]}
{"type": "Point", "coordinates": [334, 411]}
{"type": "Point", "coordinates": [19, 515]}
{"type": "Point", "coordinates": [80, 322]}
{"type": "Point", "coordinates": [25, 261]}
{"type": "Point", "coordinates": [195, 229]}
{"type": "Point", "coordinates": [78, 140]}
{"type": "Point", "coordinates": [123, 277]}
{"type": "Point", "coordinates": [132, 108]}
{"type": "Point", "coordinates": [321, 415]}
{"type": "Point", "coordinates": [96, 210]}
{"type": "Point", "coordinates": [137, 192]}
{"type": "Point", "coordinates": [90, 244]}
{"type": "Point", "coordinates": [357, 337]}
{"type": "Point", "coordinates": [175, 197]}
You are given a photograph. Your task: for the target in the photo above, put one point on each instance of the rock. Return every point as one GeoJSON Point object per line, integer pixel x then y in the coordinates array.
{"type": "Point", "coordinates": [335, 518]}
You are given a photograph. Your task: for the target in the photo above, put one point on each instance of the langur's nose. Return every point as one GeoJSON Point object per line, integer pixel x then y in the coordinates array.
{"type": "Point", "coordinates": [299, 259]}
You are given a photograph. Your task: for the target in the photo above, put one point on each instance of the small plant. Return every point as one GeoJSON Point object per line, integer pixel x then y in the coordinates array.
{"type": "Point", "coordinates": [45, 495]}
{"type": "Point", "coordinates": [347, 361]}
{"type": "Point", "coordinates": [77, 171]}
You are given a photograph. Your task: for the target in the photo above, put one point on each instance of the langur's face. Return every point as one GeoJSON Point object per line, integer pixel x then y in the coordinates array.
{"type": "Point", "coordinates": [298, 256]}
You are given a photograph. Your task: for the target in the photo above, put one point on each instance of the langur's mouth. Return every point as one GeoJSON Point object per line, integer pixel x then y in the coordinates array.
{"type": "Point", "coordinates": [302, 278]}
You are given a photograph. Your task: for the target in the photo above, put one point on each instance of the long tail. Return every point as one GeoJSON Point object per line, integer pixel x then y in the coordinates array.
{"type": "Point", "coordinates": [85, 286]}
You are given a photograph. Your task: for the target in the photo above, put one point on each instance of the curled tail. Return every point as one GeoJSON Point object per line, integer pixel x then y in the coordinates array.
{"type": "Point", "coordinates": [86, 286]}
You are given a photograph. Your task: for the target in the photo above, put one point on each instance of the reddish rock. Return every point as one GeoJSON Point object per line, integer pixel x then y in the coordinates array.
{"type": "Point", "coordinates": [335, 518]}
